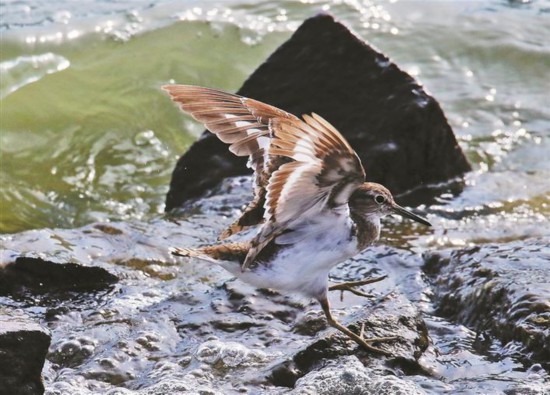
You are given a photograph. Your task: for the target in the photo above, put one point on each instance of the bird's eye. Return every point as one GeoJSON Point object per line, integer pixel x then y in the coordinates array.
{"type": "Point", "coordinates": [379, 199]}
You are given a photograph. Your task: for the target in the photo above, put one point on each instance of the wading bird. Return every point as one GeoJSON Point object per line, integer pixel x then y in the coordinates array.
{"type": "Point", "coordinates": [310, 197]}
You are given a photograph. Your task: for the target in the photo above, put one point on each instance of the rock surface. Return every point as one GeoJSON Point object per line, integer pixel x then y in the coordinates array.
{"type": "Point", "coordinates": [348, 376]}
{"type": "Point", "coordinates": [392, 315]}
{"type": "Point", "coordinates": [398, 130]}
{"type": "Point", "coordinates": [184, 326]}
{"type": "Point", "coordinates": [501, 291]}
{"type": "Point", "coordinates": [23, 347]}
{"type": "Point", "coordinates": [37, 275]}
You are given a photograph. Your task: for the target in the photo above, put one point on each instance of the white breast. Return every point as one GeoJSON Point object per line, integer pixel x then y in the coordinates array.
{"type": "Point", "coordinates": [309, 253]}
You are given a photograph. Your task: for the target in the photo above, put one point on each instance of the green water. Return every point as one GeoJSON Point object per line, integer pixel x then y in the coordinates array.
{"type": "Point", "coordinates": [87, 135]}
{"type": "Point", "coordinates": [99, 139]}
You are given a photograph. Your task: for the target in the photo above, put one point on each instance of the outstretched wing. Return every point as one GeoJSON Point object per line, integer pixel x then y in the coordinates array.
{"type": "Point", "coordinates": [302, 167]}
{"type": "Point", "coordinates": [244, 124]}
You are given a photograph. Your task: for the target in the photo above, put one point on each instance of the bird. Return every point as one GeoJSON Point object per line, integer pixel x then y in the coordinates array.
{"type": "Point", "coordinates": [311, 203]}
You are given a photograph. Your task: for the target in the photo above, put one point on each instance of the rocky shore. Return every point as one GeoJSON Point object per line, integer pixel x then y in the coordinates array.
{"type": "Point", "coordinates": [106, 308]}
{"type": "Point", "coordinates": [168, 326]}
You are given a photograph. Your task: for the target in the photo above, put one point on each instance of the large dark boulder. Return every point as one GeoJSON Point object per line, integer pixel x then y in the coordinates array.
{"type": "Point", "coordinates": [23, 347]}
{"type": "Point", "coordinates": [398, 130]}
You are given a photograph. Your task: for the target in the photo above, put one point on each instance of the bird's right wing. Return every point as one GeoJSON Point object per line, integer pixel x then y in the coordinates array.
{"type": "Point", "coordinates": [302, 167]}
{"type": "Point", "coordinates": [242, 123]}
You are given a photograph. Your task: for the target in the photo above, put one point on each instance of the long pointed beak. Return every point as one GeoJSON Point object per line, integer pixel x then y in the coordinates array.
{"type": "Point", "coordinates": [407, 214]}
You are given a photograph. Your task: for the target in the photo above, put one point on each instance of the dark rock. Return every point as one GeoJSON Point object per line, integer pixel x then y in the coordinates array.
{"type": "Point", "coordinates": [23, 348]}
{"type": "Point", "coordinates": [39, 276]}
{"type": "Point", "coordinates": [500, 290]}
{"type": "Point", "coordinates": [528, 389]}
{"type": "Point", "coordinates": [398, 130]}
{"type": "Point", "coordinates": [393, 315]}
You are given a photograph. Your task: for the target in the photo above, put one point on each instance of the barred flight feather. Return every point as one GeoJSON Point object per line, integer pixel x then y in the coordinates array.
{"type": "Point", "coordinates": [302, 167]}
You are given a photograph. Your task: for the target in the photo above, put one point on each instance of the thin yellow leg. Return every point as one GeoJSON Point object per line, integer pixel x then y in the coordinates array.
{"type": "Point", "coordinates": [358, 339]}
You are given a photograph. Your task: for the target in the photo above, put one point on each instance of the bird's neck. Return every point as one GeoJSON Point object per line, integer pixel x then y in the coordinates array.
{"type": "Point", "coordinates": [367, 228]}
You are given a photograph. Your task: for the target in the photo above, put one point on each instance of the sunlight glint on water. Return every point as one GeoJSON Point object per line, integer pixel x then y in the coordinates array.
{"type": "Point", "coordinates": [87, 135]}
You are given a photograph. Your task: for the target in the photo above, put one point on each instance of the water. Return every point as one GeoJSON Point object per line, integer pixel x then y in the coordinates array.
{"type": "Point", "coordinates": [86, 135]}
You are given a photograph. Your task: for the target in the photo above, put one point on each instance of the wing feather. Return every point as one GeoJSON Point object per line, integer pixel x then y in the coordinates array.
{"type": "Point", "coordinates": [302, 167]}
{"type": "Point", "coordinates": [242, 123]}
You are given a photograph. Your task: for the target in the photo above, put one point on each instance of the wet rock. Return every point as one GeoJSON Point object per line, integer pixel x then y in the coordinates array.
{"type": "Point", "coordinates": [37, 275]}
{"type": "Point", "coordinates": [499, 290]}
{"type": "Point", "coordinates": [23, 347]}
{"type": "Point", "coordinates": [528, 389]}
{"type": "Point", "coordinates": [228, 354]}
{"type": "Point", "coordinates": [348, 376]}
{"type": "Point", "coordinates": [187, 384]}
{"type": "Point", "coordinates": [202, 332]}
{"type": "Point", "coordinates": [72, 352]}
{"type": "Point", "coordinates": [392, 315]}
{"type": "Point", "coordinates": [398, 130]}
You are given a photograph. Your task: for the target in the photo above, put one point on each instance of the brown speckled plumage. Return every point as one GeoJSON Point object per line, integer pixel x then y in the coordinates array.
{"type": "Point", "coordinates": [309, 193]}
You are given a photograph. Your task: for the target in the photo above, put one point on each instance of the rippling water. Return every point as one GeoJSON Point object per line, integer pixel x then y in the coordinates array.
{"type": "Point", "coordinates": [86, 134]}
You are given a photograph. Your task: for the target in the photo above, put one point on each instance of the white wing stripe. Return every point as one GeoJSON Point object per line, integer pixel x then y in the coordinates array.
{"type": "Point", "coordinates": [302, 166]}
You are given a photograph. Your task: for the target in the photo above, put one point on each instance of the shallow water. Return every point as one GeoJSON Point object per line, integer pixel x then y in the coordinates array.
{"type": "Point", "coordinates": [86, 135]}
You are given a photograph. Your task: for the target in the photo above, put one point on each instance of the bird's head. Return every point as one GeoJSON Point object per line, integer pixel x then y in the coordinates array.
{"type": "Point", "coordinates": [373, 201]}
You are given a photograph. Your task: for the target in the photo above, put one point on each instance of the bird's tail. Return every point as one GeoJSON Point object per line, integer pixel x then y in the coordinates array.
{"type": "Point", "coordinates": [191, 253]}
{"type": "Point", "coordinates": [233, 252]}
{"type": "Point", "coordinates": [179, 251]}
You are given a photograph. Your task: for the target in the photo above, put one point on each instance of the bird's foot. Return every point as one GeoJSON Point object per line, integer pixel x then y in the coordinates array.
{"type": "Point", "coordinates": [358, 338]}
{"type": "Point", "coordinates": [352, 285]}
{"type": "Point", "coordinates": [366, 343]}
{"type": "Point", "coordinates": [374, 340]}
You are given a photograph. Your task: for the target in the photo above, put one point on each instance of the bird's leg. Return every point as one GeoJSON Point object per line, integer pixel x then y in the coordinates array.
{"type": "Point", "coordinates": [358, 339]}
{"type": "Point", "coordinates": [350, 286]}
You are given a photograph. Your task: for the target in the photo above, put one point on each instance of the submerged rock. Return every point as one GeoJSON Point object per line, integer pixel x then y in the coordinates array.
{"type": "Point", "coordinates": [398, 130]}
{"type": "Point", "coordinates": [23, 347]}
{"type": "Point", "coordinates": [502, 291]}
